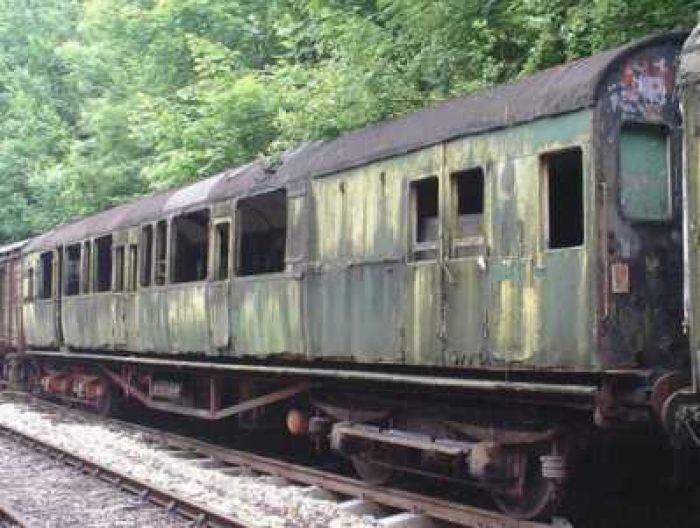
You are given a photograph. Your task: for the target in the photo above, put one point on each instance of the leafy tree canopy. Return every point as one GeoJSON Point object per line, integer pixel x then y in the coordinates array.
{"type": "Point", "coordinates": [104, 100]}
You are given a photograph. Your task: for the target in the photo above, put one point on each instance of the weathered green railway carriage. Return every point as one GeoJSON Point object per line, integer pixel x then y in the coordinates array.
{"type": "Point", "coordinates": [524, 242]}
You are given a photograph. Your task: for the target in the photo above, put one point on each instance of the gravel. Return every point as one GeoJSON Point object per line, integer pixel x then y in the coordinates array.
{"type": "Point", "coordinates": [50, 494]}
{"type": "Point", "coordinates": [255, 500]}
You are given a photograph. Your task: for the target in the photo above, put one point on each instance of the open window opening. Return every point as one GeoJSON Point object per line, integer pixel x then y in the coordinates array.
{"type": "Point", "coordinates": [190, 246]}
{"type": "Point", "coordinates": [161, 252]}
{"type": "Point", "coordinates": [564, 182]}
{"type": "Point", "coordinates": [425, 218]}
{"type": "Point", "coordinates": [72, 273]}
{"type": "Point", "coordinates": [46, 275]}
{"type": "Point", "coordinates": [222, 238]}
{"type": "Point", "coordinates": [468, 192]}
{"type": "Point", "coordinates": [133, 263]}
{"type": "Point", "coordinates": [103, 262]}
{"type": "Point", "coordinates": [87, 267]}
{"type": "Point", "coordinates": [146, 256]}
{"type": "Point", "coordinates": [119, 269]}
{"type": "Point", "coordinates": [262, 233]}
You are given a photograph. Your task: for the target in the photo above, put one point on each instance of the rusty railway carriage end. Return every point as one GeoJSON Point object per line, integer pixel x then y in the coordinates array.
{"type": "Point", "coordinates": [471, 292]}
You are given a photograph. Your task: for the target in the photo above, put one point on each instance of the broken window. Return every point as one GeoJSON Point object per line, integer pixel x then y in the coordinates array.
{"type": "Point", "coordinates": [119, 270]}
{"type": "Point", "coordinates": [468, 193]}
{"type": "Point", "coordinates": [564, 183]}
{"type": "Point", "coordinates": [222, 237]}
{"type": "Point", "coordinates": [645, 185]}
{"type": "Point", "coordinates": [133, 263]}
{"type": "Point", "coordinates": [103, 262]}
{"type": "Point", "coordinates": [190, 246]}
{"type": "Point", "coordinates": [72, 273]}
{"type": "Point", "coordinates": [46, 278]}
{"type": "Point", "coordinates": [161, 252]}
{"type": "Point", "coordinates": [425, 221]}
{"type": "Point", "coordinates": [262, 233]}
{"type": "Point", "coordinates": [146, 255]}
{"type": "Point", "coordinates": [86, 266]}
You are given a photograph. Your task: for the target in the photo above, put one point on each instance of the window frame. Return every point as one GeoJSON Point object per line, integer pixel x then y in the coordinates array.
{"type": "Point", "coordinates": [41, 294]}
{"type": "Point", "coordinates": [172, 244]}
{"type": "Point", "coordinates": [145, 276]}
{"type": "Point", "coordinates": [119, 279]}
{"type": "Point", "coordinates": [543, 162]}
{"type": "Point", "coordinates": [237, 238]}
{"type": "Point", "coordinates": [631, 123]}
{"type": "Point", "coordinates": [431, 248]}
{"type": "Point", "coordinates": [471, 242]}
{"type": "Point", "coordinates": [215, 246]}
{"type": "Point", "coordinates": [96, 265]}
{"type": "Point", "coordinates": [66, 269]}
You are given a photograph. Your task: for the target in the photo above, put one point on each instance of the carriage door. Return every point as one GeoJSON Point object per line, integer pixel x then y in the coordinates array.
{"type": "Point", "coordinates": [505, 267]}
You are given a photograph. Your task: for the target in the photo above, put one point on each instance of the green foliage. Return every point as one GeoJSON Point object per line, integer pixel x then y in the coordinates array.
{"type": "Point", "coordinates": [104, 100]}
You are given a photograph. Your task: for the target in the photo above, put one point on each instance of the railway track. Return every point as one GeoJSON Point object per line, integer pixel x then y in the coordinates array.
{"type": "Point", "coordinates": [389, 507]}
{"type": "Point", "coordinates": [10, 518]}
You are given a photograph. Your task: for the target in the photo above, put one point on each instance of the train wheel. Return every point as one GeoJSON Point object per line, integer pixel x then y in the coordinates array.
{"type": "Point", "coordinates": [536, 495]}
{"type": "Point", "coordinates": [371, 472]}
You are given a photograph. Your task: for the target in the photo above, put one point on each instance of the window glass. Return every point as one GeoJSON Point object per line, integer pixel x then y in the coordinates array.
{"type": "Point", "coordinates": [119, 269]}
{"type": "Point", "coordinates": [222, 236]}
{"type": "Point", "coordinates": [133, 263]}
{"type": "Point", "coordinates": [644, 174]}
{"type": "Point", "coordinates": [262, 233]}
{"type": "Point", "coordinates": [87, 266]}
{"type": "Point", "coordinates": [146, 255]}
{"type": "Point", "coordinates": [103, 271]}
{"type": "Point", "coordinates": [564, 183]}
{"type": "Point", "coordinates": [161, 252]}
{"type": "Point", "coordinates": [72, 272]}
{"type": "Point", "coordinates": [46, 284]}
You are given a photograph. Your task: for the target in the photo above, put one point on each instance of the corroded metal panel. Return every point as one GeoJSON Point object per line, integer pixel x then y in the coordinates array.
{"type": "Point", "coordinates": [149, 321]}
{"type": "Point", "coordinates": [88, 321]}
{"type": "Point", "coordinates": [39, 322]}
{"type": "Point", "coordinates": [266, 315]}
{"type": "Point", "coordinates": [422, 324]}
{"type": "Point", "coordinates": [355, 312]}
{"type": "Point", "coordinates": [218, 311]}
{"type": "Point", "coordinates": [188, 319]}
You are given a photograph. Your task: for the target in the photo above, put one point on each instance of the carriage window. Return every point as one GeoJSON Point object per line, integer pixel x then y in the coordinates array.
{"type": "Point", "coordinates": [161, 252]}
{"type": "Point", "coordinates": [103, 262]}
{"type": "Point", "coordinates": [146, 255]}
{"type": "Point", "coordinates": [72, 274]}
{"type": "Point", "coordinates": [644, 175]}
{"type": "Point", "coordinates": [119, 269]}
{"type": "Point", "coordinates": [46, 278]}
{"type": "Point", "coordinates": [222, 247]}
{"type": "Point", "coordinates": [133, 263]}
{"type": "Point", "coordinates": [468, 192]}
{"type": "Point", "coordinates": [87, 266]}
{"type": "Point", "coordinates": [425, 221]}
{"type": "Point", "coordinates": [262, 233]}
{"type": "Point", "coordinates": [190, 246]}
{"type": "Point", "coordinates": [564, 184]}
{"type": "Point", "coordinates": [30, 285]}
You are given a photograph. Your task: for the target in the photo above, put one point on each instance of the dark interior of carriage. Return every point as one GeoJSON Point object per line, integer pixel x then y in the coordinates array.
{"type": "Point", "coordinates": [262, 230]}
{"type": "Point", "coordinates": [190, 246]}
{"type": "Point", "coordinates": [564, 173]}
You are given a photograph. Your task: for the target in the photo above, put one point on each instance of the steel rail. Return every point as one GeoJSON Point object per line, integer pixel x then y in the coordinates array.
{"type": "Point", "coordinates": [10, 516]}
{"type": "Point", "coordinates": [198, 514]}
{"type": "Point", "coordinates": [441, 510]}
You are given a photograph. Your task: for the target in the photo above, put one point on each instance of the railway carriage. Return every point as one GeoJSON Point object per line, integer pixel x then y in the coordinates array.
{"type": "Point", "coordinates": [468, 291]}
